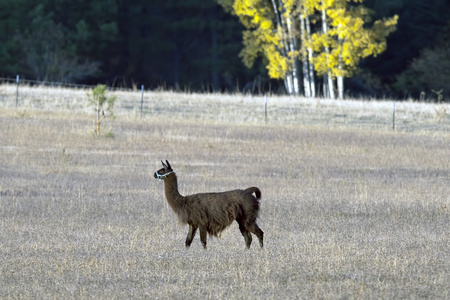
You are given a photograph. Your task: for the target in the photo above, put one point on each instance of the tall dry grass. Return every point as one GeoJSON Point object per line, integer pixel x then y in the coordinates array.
{"type": "Point", "coordinates": [347, 212]}
{"type": "Point", "coordinates": [241, 109]}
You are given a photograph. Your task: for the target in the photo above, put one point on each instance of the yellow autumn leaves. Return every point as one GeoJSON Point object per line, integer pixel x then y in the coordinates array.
{"type": "Point", "coordinates": [339, 38]}
{"type": "Point", "coordinates": [348, 39]}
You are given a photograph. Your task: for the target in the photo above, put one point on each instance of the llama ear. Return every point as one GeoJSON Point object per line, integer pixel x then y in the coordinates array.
{"type": "Point", "coordinates": [163, 164]}
{"type": "Point", "coordinates": [168, 165]}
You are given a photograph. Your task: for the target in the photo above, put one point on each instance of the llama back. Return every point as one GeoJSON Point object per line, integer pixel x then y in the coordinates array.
{"type": "Point", "coordinates": [219, 210]}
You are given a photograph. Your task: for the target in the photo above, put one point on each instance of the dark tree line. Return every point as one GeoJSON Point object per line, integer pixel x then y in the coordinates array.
{"type": "Point", "coordinates": [194, 45]}
{"type": "Point", "coordinates": [422, 36]}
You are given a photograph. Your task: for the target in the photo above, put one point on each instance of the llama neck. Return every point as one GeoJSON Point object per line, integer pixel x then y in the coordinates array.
{"type": "Point", "coordinates": [174, 198]}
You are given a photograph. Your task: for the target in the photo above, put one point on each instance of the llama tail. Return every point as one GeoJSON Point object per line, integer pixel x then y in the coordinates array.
{"type": "Point", "coordinates": [255, 190]}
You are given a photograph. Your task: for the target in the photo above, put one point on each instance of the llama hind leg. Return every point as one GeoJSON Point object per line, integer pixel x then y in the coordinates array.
{"type": "Point", "coordinates": [254, 228]}
{"type": "Point", "coordinates": [191, 234]}
{"type": "Point", "coordinates": [247, 236]}
{"type": "Point", "coordinates": [203, 236]}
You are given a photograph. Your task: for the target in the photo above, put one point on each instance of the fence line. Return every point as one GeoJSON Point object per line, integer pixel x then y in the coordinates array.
{"type": "Point", "coordinates": [58, 95]}
{"type": "Point", "coordinates": [238, 108]}
{"type": "Point", "coordinates": [19, 80]}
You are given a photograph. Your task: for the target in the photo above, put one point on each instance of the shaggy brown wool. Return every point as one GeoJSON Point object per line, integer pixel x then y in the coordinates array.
{"type": "Point", "coordinates": [213, 212]}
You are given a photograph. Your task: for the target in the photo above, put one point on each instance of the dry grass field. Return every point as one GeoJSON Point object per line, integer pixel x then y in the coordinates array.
{"type": "Point", "coordinates": [349, 210]}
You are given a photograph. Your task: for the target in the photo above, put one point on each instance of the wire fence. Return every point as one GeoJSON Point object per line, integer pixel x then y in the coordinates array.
{"type": "Point", "coordinates": [21, 81]}
{"type": "Point", "coordinates": [22, 93]}
{"type": "Point", "coordinates": [236, 108]}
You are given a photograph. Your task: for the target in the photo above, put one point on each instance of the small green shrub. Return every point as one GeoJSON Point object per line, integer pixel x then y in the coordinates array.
{"type": "Point", "coordinates": [103, 104]}
{"type": "Point", "coordinates": [441, 113]}
{"type": "Point", "coordinates": [109, 134]}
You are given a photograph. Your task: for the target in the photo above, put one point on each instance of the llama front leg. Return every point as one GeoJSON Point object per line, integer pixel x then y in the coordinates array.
{"type": "Point", "coordinates": [203, 236]}
{"type": "Point", "coordinates": [191, 234]}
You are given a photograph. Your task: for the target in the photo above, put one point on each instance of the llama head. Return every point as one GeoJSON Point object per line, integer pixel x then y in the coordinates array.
{"type": "Point", "coordinates": [166, 170]}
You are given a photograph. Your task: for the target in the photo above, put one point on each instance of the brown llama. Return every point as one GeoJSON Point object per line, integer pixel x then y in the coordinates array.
{"type": "Point", "coordinates": [213, 212]}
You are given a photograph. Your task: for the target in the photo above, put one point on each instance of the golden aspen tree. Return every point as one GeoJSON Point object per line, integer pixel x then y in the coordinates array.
{"type": "Point", "coordinates": [271, 33]}
{"type": "Point", "coordinates": [305, 10]}
{"type": "Point", "coordinates": [280, 32]}
{"type": "Point", "coordinates": [288, 10]}
{"type": "Point", "coordinates": [348, 39]}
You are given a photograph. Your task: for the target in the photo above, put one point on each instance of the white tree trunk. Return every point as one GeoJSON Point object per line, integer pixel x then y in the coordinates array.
{"type": "Point", "coordinates": [276, 12]}
{"type": "Point", "coordinates": [326, 90]}
{"type": "Point", "coordinates": [292, 48]}
{"type": "Point", "coordinates": [328, 86]}
{"type": "Point", "coordinates": [340, 86]}
{"type": "Point", "coordinates": [306, 78]}
{"type": "Point", "coordinates": [310, 59]}
{"type": "Point", "coordinates": [288, 83]}
{"type": "Point", "coordinates": [289, 45]}
{"type": "Point", "coordinates": [284, 50]}
{"type": "Point", "coordinates": [331, 86]}
{"type": "Point", "coordinates": [327, 51]}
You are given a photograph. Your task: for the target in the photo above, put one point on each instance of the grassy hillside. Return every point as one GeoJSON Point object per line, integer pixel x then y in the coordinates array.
{"type": "Point", "coordinates": [349, 210]}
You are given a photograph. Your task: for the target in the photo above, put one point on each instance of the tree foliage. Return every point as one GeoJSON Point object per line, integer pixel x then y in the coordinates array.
{"type": "Point", "coordinates": [421, 25]}
{"type": "Point", "coordinates": [196, 45]}
{"type": "Point", "coordinates": [429, 72]}
{"type": "Point", "coordinates": [273, 31]}
{"type": "Point", "coordinates": [348, 38]}
{"type": "Point", "coordinates": [43, 42]}
{"type": "Point", "coordinates": [191, 44]}
{"type": "Point", "coordinates": [262, 36]}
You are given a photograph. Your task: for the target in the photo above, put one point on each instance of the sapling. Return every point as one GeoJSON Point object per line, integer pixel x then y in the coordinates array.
{"type": "Point", "coordinates": [103, 104]}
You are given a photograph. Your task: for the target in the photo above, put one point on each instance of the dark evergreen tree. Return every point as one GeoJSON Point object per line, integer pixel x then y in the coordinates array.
{"type": "Point", "coordinates": [419, 25]}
